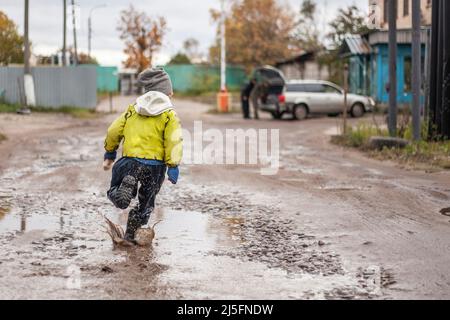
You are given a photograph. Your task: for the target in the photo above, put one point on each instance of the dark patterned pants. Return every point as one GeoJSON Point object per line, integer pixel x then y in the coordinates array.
{"type": "Point", "coordinates": [150, 180]}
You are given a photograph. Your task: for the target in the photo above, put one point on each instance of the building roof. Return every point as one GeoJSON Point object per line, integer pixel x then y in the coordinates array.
{"type": "Point", "coordinates": [362, 44]}
{"type": "Point", "coordinates": [354, 45]}
{"type": "Point", "coordinates": [404, 36]}
{"type": "Point", "coordinates": [301, 57]}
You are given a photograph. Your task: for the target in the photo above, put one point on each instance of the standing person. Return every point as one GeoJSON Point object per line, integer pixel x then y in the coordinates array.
{"type": "Point", "coordinates": [254, 97]}
{"type": "Point", "coordinates": [245, 98]}
{"type": "Point", "coordinates": [152, 142]}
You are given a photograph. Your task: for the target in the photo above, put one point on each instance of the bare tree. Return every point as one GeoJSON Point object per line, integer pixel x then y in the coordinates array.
{"type": "Point", "coordinates": [143, 37]}
{"type": "Point", "coordinates": [191, 48]}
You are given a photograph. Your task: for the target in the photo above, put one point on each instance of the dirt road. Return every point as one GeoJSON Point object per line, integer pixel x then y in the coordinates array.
{"type": "Point", "coordinates": [331, 224]}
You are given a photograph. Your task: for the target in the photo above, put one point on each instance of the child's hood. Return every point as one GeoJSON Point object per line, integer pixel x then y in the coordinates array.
{"type": "Point", "coordinates": [153, 103]}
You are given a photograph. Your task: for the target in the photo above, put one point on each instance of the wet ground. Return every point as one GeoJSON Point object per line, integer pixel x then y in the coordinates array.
{"type": "Point", "coordinates": [331, 224]}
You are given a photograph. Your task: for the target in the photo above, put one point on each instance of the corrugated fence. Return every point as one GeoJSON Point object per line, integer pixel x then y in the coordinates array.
{"type": "Point", "coordinates": [54, 86]}
{"type": "Point", "coordinates": [107, 79]}
{"type": "Point", "coordinates": [202, 78]}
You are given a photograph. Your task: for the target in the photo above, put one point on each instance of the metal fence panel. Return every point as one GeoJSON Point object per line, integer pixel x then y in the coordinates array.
{"type": "Point", "coordinates": [9, 77]}
{"type": "Point", "coordinates": [107, 79]}
{"type": "Point", "coordinates": [54, 86]}
{"type": "Point", "coordinates": [204, 78]}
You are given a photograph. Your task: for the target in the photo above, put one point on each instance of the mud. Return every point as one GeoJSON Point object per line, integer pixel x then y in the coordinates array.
{"type": "Point", "coordinates": [331, 225]}
{"type": "Point", "coordinates": [262, 235]}
{"type": "Point", "coordinates": [445, 212]}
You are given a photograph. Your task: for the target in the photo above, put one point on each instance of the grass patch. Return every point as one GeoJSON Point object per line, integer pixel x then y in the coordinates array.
{"type": "Point", "coordinates": [422, 154]}
{"type": "Point", "coordinates": [8, 108]}
{"type": "Point", "coordinates": [2, 137]}
{"type": "Point", "coordinates": [75, 112]}
{"type": "Point", "coordinates": [359, 136]}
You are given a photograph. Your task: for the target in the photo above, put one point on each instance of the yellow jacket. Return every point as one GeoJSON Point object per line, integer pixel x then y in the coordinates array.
{"type": "Point", "coordinates": [150, 129]}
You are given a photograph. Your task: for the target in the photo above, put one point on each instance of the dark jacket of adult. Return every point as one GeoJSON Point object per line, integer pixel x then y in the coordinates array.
{"type": "Point", "coordinates": [247, 90]}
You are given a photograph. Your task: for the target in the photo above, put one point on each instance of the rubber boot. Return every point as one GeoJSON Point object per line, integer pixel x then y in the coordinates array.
{"type": "Point", "coordinates": [126, 192]}
{"type": "Point", "coordinates": [133, 224]}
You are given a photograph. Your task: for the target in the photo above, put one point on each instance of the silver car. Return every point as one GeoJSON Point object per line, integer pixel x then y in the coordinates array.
{"type": "Point", "coordinates": [305, 97]}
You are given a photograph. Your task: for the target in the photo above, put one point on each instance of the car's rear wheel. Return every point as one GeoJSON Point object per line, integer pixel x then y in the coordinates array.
{"type": "Point", "coordinates": [300, 112]}
{"type": "Point", "coordinates": [357, 110]}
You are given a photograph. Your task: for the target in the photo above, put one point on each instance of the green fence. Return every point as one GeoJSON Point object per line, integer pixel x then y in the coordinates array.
{"type": "Point", "coordinates": [188, 78]}
{"type": "Point", "coordinates": [107, 79]}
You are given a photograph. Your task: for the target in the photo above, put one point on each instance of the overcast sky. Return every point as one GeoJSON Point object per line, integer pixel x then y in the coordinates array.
{"type": "Point", "coordinates": [185, 18]}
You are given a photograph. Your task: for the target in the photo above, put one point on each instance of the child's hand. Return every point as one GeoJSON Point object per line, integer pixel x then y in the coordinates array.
{"type": "Point", "coordinates": [173, 174]}
{"type": "Point", "coordinates": [107, 164]}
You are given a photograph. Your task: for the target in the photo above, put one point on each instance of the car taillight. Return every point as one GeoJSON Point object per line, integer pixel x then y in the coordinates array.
{"type": "Point", "coordinates": [281, 98]}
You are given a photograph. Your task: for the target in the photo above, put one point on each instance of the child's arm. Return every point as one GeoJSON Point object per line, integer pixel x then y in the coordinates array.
{"type": "Point", "coordinates": [115, 135]}
{"type": "Point", "coordinates": [173, 141]}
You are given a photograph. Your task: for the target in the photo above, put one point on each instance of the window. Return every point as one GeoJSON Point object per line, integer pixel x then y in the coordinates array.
{"type": "Point", "coordinates": [314, 88]}
{"type": "Point", "coordinates": [330, 89]}
{"type": "Point", "coordinates": [386, 10]}
{"type": "Point", "coordinates": [408, 66]}
{"type": "Point", "coordinates": [405, 8]}
{"type": "Point", "coordinates": [407, 76]}
{"type": "Point", "coordinates": [295, 88]}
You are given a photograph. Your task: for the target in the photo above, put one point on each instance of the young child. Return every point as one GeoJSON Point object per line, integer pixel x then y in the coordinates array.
{"type": "Point", "coordinates": [152, 142]}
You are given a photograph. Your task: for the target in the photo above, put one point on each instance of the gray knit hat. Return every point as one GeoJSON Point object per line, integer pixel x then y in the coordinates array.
{"type": "Point", "coordinates": [155, 79]}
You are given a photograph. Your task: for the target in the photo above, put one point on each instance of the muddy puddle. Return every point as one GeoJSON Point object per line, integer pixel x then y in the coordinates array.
{"type": "Point", "coordinates": [205, 261]}
{"type": "Point", "coordinates": [11, 222]}
{"type": "Point", "coordinates": [194, 255]}
{"type": "Point", "coordinates": [210, 244]}
{"type": "Point", "coordinates": [337, 186]}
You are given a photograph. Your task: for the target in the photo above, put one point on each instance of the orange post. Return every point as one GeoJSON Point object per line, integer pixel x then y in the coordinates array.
{"type": "Point", "coordinates": [223, 101]}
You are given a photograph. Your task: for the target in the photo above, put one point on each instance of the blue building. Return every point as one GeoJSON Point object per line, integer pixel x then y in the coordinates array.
{"type": "Point", "coordinates": [368, 59]}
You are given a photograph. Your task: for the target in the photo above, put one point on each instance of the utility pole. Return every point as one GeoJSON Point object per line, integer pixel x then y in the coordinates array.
{"type": "Point", "coordinates": [416, 69]}
{"type": "Point", "coordinates": [344, 111]}
{"type": "Point", "coordinates": [90, 27]}
{"type": "Point", "coordinates": [27, 53]}
{"type": "Point", "coordinates": [75, 58]}
{"type": "Point", "coordinates": [28, 96]}
{"type": "Point", "coordinates": [89, 35]}
{"type": "Point", "coordinates": [223, 54]}
{"type": "Point", "coordinates": [223, 98]}
{"type": "Point", "coordinates": [63, 56]}
{"type": "Point", "coordinates": [392, 8]}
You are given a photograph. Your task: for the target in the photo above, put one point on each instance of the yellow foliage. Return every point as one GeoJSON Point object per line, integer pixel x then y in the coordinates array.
{"type": "Point", "coordinates": [258, 32]}
{"type": "Point", "coordinates": [11, 43]}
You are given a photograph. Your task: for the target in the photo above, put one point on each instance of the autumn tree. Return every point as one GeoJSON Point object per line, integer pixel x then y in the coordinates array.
{"type": "Point", "coordinates": [180, 58]}
{"type": "Point", "coordinates": [258, 32]}
{"type": "Point", "coordinates": [11, 43]}
{"type": "Point", "coordinates": [350, 20]}
{"type": "Point", "coordinates": [306, 34]}
{"type": "Point", "coordinates": [142, 35]}
{"type": "Point", "coordinates": [84, 58]}
{"type": "Point", "coordinates": [192, 50]}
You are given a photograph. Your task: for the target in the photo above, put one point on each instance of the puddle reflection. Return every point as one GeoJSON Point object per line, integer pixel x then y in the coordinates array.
{"type": "Point", "coordinates": [11, 221]}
